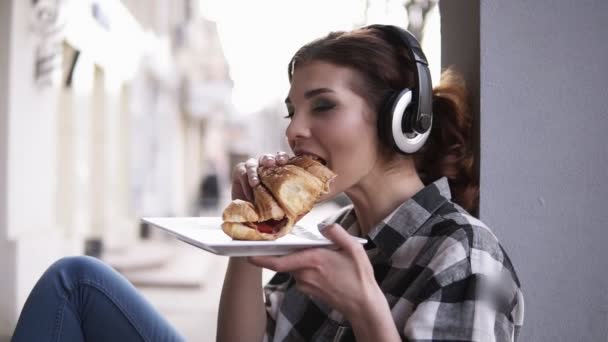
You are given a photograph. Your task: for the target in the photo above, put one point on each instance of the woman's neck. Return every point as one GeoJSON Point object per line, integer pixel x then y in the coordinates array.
{"type": "Point", "coordinates": [382, 191]}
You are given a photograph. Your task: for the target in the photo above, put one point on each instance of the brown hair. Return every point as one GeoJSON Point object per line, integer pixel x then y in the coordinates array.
{"type": "Point", "coordinates": [447, 151]}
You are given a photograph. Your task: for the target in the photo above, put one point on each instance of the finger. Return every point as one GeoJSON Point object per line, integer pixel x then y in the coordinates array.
{"type": "Point", "coordinates": [308, 258]}
{"type": "Point", "coordinates": [282, 158]}
{"type": "Point", "coordinates": [268, 262]}
{"type": "Point", "coordinates": [307, 281]}
{"type": "Point", "coordinates": [240, 173]}
{"type": "Point", "coordinates": [267, 160]}
{"type": "Point", "coordinates": [306, 276]}
{"type": "Point", "coordinates": [306, 289]}
{"type": "Point", "coordinates": [239, 170]}
{"type": "Point", "coordinates": [251, 166]}
{"type": "Point", "coordinates": [252, 177]}
{"type": "Point", "coordinates": [253, 180]}
{"type": "Point", "coordinates": [251, 162]}
{"type": "Point", "coordinates": [339, 236]}
{"type": "Point", "coordinates": [246, 188]}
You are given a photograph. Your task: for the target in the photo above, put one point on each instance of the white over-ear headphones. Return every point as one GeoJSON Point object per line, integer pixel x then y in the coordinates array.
{"type": "Point", "coordinates": [406, 117]}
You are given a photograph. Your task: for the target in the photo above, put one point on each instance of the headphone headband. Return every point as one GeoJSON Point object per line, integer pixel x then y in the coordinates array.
{"type": "Point", "coordinates": [417, 118]}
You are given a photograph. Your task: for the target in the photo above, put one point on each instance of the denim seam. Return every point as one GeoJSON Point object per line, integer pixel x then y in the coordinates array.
{"type": "Point", "coordinates": [114, 301]}
{"type": "Point", "coordinates": [67, 306]}
{"type": "Point", "coordinates": [59, 320]}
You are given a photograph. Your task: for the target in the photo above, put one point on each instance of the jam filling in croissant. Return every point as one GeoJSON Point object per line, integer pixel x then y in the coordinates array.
{"type": "Point", "coordinates": [268, 227]}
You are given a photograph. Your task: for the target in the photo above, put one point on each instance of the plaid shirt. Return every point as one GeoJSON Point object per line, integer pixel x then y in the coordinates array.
{"type": "Point", "coordinates": [443, 272]}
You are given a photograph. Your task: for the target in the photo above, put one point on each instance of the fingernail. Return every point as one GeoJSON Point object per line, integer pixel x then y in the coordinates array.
{"type": "Point", "coordinates": [322, 226]}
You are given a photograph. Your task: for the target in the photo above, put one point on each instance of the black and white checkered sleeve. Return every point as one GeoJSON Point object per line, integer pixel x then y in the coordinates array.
{"type": "Point", "coordinates": [467, 291]}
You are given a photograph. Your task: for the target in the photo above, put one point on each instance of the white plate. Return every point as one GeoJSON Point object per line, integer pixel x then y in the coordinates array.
{"type": "Point", "coordinates": [206, 233]}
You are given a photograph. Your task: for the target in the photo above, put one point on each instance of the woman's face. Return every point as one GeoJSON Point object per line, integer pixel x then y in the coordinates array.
{"type": "Point", "coordinates": [329, 120]}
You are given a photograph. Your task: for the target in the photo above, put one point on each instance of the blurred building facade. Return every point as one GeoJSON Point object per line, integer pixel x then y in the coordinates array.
{"type": "Point", "coordinates": [109, 111]}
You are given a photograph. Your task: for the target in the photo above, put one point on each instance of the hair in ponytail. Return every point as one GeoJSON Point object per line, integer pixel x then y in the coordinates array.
{"type": "Point", "coordinates": [384, 70]}
{"type": "Point", "coordinates": [448, 152]}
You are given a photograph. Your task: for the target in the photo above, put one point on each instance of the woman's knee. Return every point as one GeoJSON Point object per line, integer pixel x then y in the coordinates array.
{"type": "Point", "coordinates": [75, 267]}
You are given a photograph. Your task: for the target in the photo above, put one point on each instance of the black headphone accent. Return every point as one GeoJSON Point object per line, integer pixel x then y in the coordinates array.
{"type": "Point", "coordinates": [406, 117]}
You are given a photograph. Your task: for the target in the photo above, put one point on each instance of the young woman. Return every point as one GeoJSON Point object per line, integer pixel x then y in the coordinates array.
{"type": "Point", "coordinates": [430, 271]}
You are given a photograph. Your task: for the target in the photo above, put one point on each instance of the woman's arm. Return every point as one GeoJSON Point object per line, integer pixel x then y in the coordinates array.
{"type": "Point", "coordinates": [242, 316]}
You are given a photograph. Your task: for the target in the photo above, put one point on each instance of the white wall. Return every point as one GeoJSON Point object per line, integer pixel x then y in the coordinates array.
{"type": "Point", "coordinates": [31, 133]}
{"type": "Point", "coordinates": [7, 264]}
{"type": "Point", "coordinates": [5, 30]}
{"type": "Point", "coordinates": [544, 156]}
{"type": "Point", "coordinates": [29, 240]}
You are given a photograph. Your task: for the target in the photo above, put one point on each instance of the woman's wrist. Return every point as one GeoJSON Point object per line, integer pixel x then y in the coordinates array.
{"type": "Point", "coordinates": [373, 320]}
{"type": "Point", "coordinates": [240, 268]}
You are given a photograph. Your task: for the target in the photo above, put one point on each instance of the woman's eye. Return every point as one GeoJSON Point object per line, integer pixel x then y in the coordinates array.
{"type": "Point", "coordinates": [290, 112]}
{"type": "Point", "coordinates": [323, 107]}
{"type": "Point", "coordinates": [319, 108]}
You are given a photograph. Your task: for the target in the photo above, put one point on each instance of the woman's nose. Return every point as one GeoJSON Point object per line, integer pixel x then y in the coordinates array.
{"type": "Point", "coordinates": [298, 128]}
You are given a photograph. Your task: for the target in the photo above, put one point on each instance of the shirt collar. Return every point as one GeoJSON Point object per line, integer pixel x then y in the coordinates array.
{"type": "Point", "coordinates": [411, 215]}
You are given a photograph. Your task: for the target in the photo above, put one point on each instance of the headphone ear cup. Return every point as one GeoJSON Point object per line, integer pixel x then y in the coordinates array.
{"type": "Point", "coordinates": [395, 109]}
{"type": "Point", "coordinates": [406, 139]}
{"type": "Point", "coordinates": [396, 119]}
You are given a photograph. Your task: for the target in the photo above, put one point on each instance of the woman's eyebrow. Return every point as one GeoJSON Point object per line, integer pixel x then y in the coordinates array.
{"type": "Point", "coordinates": [312, 93]}
{"type": "Point", "coordinates": [316, 92]}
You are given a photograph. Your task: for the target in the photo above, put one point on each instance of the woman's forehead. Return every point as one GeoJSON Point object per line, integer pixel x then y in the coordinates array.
{"type": "Point", "coordinates": [319, 75]}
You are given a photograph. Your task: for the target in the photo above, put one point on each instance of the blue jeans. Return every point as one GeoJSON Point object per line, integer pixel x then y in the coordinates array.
{"type": "Point", "coordinates": [83, 299]}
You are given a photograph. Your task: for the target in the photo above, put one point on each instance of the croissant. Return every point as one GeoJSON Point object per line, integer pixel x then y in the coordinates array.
{"type": "Point", "coordinates": [285, 194]}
